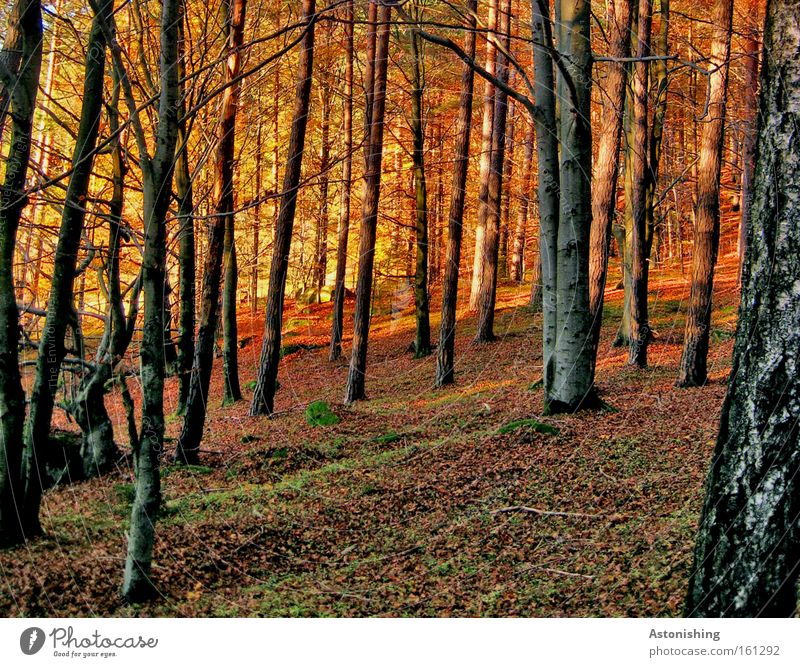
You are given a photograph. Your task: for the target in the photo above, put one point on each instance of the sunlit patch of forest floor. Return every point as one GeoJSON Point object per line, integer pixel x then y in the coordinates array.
{"type": "Point", "coordinates": [398, 505]}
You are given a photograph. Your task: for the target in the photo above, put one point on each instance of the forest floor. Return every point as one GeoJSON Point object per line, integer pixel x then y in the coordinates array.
{"type": "Point", "coordinates": [400, 508]}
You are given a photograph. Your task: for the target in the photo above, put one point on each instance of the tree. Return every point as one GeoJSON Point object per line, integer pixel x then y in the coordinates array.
{"type": "Point", "coordinates": [264, 394]}
{"type": "Point", "coordinates": [194, 419]}
{"type": "Point", "coordinates": [447, 335]}
{"type": "Point", "coordinates": [693, 371]}
{"type": "Point", "coordinates": [21, 59]}
{"type": "Point", "coordinates": [376, 101]}
{"type": "Point", "coordinates": [347, 183]}
{"type": "Point", "coordinates": [746, 559]}
{"type": "Point", "coordinates": [524, 209]}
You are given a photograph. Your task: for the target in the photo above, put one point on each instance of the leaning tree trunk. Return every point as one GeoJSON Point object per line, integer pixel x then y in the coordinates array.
{"type": "Point", "coordinates": [747, 558]}
{"type": "Point", "coordinates": [486, 154]}
{"type": "Point", "coordinates": [157, 188]}
{"type": "Point", "coordinates": [637, 244]}
{"type": "Point", "coordinates": [264, 394]}
{"type": "Point", "coordinates": [548, 190]}
{"type": "Point", "coordinates": [356, 377]}
{"type": "Point", "coordinates": [447, 334]}
{"type": "Point", "coordinates": [422, 343]}
{"type": "Point", "coordinates": [18, 85]}
{"type": "Point", "coordinates": [693, 371]}
{"type": "Point", "coordinates": [221, 231]}
{"type": "Point", "coordinates": [487, 288]}
{"type": "Point", "coordinates": [60, 302]}
{"type": "Point", "coordinates": [606, 172]}
{"type": "Point", "coordinates": [347, 185]}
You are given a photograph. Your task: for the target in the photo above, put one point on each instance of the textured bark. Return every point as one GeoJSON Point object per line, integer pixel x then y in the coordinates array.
{"type": "Point", "coordinates": [230, 331]}
{"type": "Point", "coordinates": [486, 154]}
{"type": "Point", "coordinates": [572, 381]}
{"type": "Point", "coordinates": [157, 187]}
{"type": "Point", "coordinates": [487, 288]}
{"type": "Point", "coordinates": [422, 342]}
{"type": "Point", "coordinates": [60, 306]}
{"type": "Point", "coordinates": [637, 235]}
{"type": "Point", "coordinates": [505, 199]}
{"type": "Point", "coordinates": [447, 334]}
{"type": "Point", "coordinates": [606, 172]}
{"type": "Point", "coordinates": [693, 370]}
{"type": "Point", "coordinates": [523, 209]}
{"type": "Point", "coordinates": [356, 378]}
{"type": "Point", "coordinates": [343, 234]}
{"type": "Point", "coordinates": [264, 394]}
{"type": "Point", "coordinates": [549, 188]}
{"type": "Point", "coordinates": [321, 249]}
{"type": "Point", "coordinates": [19, 85]}
{"type": "Point", "coordinates": [747, 554]}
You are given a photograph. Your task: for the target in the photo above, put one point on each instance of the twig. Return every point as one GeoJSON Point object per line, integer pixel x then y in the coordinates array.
{"type": "Point", "coordinates": [534, 510]}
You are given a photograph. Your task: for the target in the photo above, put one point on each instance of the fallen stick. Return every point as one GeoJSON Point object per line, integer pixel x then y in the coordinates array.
{"type": "Point", "coordinates": [534, 510]}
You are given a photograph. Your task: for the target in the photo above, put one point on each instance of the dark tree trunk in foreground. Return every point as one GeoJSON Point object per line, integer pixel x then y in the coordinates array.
{"type": "Point", "coordinates": [637, 243]}
{"type": "Point", "coordinates": [422, 343]}
{"type": "Point", "coordinates": [747, 556]}
{"type": "Point", "coordinates": [447, 333]}
{"type": "Point", "coordinates": [347, 185]}
{"type": "Point", "coordinates": [355, 389]}
{"type": "Point", "coordinates": [157, 188]}
{"type": "Point", "coordinates": [264, 395]}
{"type": "Point", "coordinates": [232, 391]}
{"type": "Point", "coordinates": [18, 88]}
{"type": "Point", "coordinates": [197, 401]}
{"type": "Point", "coordinates": [606, 172]}
{"type": "Point", "coordinates": [60, 301]}
{"type": "Point", "coordinates": [487, 287]}
{"type": "Point", "coordinates": [693, 371]}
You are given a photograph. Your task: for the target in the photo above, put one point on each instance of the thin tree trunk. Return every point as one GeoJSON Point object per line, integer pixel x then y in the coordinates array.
{"type": "Point", "coordinates": [60, 302]}
{"type": "Point", "coordinates": [693, 371]}
{"type": "Point", "coordinates": [746, 560]}
{"type": "Point", "coordinates": [230, 337]}
{"type": "Point", "coordinates": [523, 209]}
{"type": "Point", "coordinates": [606, 173]}
{"type": "Point", "coordinates": [356, 377]}
{"type": "Point", "coordinates": [447, 334]}
{"type": "Point", "coordinates": [18, 87]}
{"type": "Point", "coordinates": [486, 154]}
{"type": "Point", "coordinates": [256, 227]}
{"type": "Point", "coordinates": [347, 184]}
{"type": "Point", "coordinates": [422, 344]}
{"type": "Point", "coordinates": [321, 250]}
{"type": "Point", "coordinates": [264, 395]}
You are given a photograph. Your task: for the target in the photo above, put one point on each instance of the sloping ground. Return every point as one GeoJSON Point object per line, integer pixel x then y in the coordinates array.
{"type": "Point", "coordinates": [402, 508]}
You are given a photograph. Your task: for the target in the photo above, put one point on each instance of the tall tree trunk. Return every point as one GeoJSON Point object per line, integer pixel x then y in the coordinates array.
{"type": "Point", "coordinates": [572, 384]}
{"type": "Point", "coordinates": [693, 370]}
{"type": "Point", "coordinates": [505, 196]}
{"type": "Point", "coordinates": [751, 64]}
{"type": "Point", "coordinates": [264, 395]}
{"type": "Point", "coordinates": [21, 62]}
{"type": "Point", "coordinates": [186, 243]}
{"type": "Point", "coordinates": [347, 185]}
{"type": "Point", "coordinates": [157, 188]}
{"type": "Point", "coordinates": [606, 172]}
{"type": "Point", "coordinates": [230, 331]}
{"type": "Point", "coordinates": [60, 302]}
{"type": "Point", "coordinates": [221, 226]}
{"type": "Point", "coordinates": [746, 559]}
{"type": "Point", "coordinates": [422, 344]}
{"type": "Point", "coordinates": [355, 389]}
{"type": "Point", "coordinates": [447, 334]}
{"type": "Point", "coordinates": [523, 209]}
{"type": "Point", "coordinates": [637, 244]}
{"type": "Point", "coordinates": [487, 289]}
{"type": "Point", "coordinates": [486, 154]}
{"type": "Point", "coordinates": [256, 227]}
{"type": "Point", "coordinates": [321, 250]}
{"type": "Point", "coordinates": [549, 187]}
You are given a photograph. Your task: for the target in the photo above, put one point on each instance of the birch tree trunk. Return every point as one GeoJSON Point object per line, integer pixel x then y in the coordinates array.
{"type": "Point", "coordinates": [746, 556]}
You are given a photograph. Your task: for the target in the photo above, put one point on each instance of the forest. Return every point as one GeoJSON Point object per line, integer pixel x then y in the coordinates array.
{"type": "Point", "coordinates": [399, 308]}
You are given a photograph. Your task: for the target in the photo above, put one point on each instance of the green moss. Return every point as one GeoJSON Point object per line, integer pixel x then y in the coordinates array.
{"type": "Point", "coordinates": [528, 424]}
{"type": "Point", "coordinates": [319, 413]}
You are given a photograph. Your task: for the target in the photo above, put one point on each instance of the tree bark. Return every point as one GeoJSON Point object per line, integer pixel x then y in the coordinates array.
{"type": "Point", "coordinates": [523, 209]}
{"type": "Point", "coordinates": [347, 185]}
{"type": "Point", "coordinates": [447, 334]}
{"type": "Point", "coordinates": [18, 87]}
{"type": "Point", "coordinates": [747, 559]}
{"type": "Point", "coordinates": [264, 395]}
{"type": "Point", "coordinates": [355, 389]}
{"type": "Point", "coordinates": [693, 371]}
